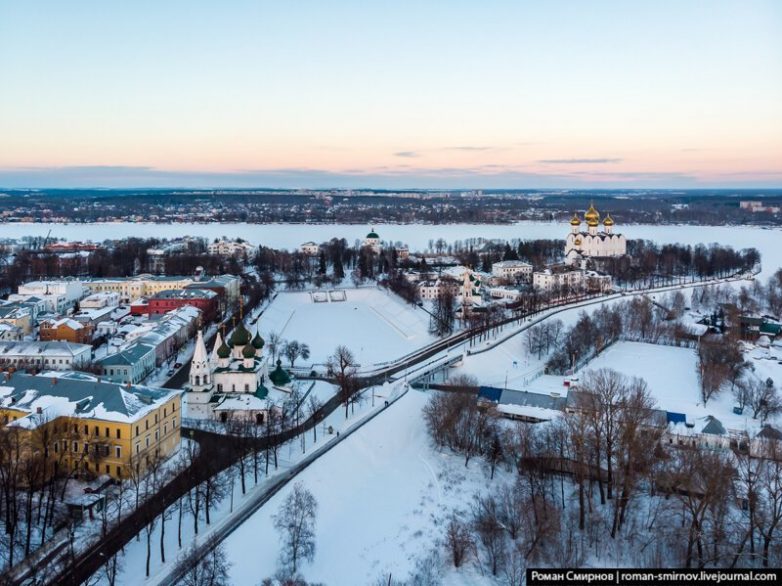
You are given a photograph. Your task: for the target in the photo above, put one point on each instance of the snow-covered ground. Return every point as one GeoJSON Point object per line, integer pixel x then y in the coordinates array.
{"type": "Point", "coordinates": [382, 495]}
{"type": "Point", "coordinates": [376, 325]}
{"type": "Point", "coordinates": [134, 556]}
{"type": "Point", "coordinates": [416, 236]}
{"type": "Point", "coordinates": [672, 376]}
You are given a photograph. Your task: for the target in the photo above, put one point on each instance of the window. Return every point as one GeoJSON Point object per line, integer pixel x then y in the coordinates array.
{"type": "Point", "coordinates": [107, 469]}
{"type": "Point", "coordinates": [156, 418]}
{"type": "Point", "coordinates": [86, 430]}
{"type": "Point", "coordinates": [219, 387]}
{"type": "Point", "coordinates": [146, 424]}
{"type": "Point", "coordinates": [97, 431]}
{"type": "Point", "coordinates": [174, 422]}
{"type": "Point", "coordinates": [246, 388]}
{"type": "Point", "coordinates": [117, 451]}
{"type": "Point", "coordinates": [138, 447]}
{"type": "Point", "coordinates": [119, 472]}
{"type": "Point", "coordinates": [137, 431]}
{"type": "Point", "coordinates": [165, 428]}
{"type": "Point", "coordinates": [173, 406]}
{"type": "Point", "coordinates": [75, 446]}
{"type": "Point", "coordinates": [147, 441]}
{"type": "Point", "coordinates": [157, 435]}
{"type": "Point", "coordinates": [56, 447]}
{"type": "Point", "coordinates": [118, 433]}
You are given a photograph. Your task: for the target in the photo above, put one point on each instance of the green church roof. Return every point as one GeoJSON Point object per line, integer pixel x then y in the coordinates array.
{"type": "Point", "coordinates": [240, 335]}
{"type": "Point", "coordinates": [258, 341]}
{"type": "Point", "coordinates": [373, 234]}
{"type": "Point", "coordinates": [279, 376]}
{"type": "Point", "coordinates": [249, 351]}
{"type": "Point", "coordinates": [223, 351]}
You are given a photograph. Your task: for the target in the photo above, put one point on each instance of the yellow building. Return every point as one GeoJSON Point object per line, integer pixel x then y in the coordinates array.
{"type": "Point", "coordinates": [81, 425]}
{"type": "Point", "coordinates": [130, 288]}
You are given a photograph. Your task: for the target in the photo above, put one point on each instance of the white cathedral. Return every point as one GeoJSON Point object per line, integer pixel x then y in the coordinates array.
{"type": "Point", "coordinates": [594, 243]}
{"type": "Point", "coordinates": [231, 383]}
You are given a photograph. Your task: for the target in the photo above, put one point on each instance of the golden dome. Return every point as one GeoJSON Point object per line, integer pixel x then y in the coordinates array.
{"type": "Point", "coordinates": [592, 214]}
{"type": "Point", "coordinates": [575, 221]}
{"type": "Point", "coordinates": [609, 221]}
{"type": "Point", "coordinates": [577, 242]}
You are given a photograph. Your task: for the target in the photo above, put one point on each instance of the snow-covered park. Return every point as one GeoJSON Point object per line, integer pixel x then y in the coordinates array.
{"type": "Point", "coordinates": [382, 496]}
{"type": "Point", "coordinates": [376, 325]}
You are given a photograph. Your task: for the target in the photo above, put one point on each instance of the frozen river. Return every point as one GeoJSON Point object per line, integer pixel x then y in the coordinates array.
{"type": "Point", "coordinates": [416, 236]}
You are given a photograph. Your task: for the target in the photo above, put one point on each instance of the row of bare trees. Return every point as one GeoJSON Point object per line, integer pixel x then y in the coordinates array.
{"type": "Point", "coordinates": [603, 481]}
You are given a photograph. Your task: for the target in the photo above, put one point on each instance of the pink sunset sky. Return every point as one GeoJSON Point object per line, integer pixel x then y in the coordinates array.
{"type": "Point", "coordinates": [391, 94]}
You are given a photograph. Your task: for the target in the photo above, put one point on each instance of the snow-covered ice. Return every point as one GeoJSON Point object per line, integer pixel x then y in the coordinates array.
{"type": "Point", "coordinates": [416, 236]}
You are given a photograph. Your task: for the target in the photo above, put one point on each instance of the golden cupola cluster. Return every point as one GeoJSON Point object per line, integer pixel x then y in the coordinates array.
{"type": "Point", "coordinates": [592, 217]}
{"type": "Point", "coordinates": [575, 220]}
{"type": "Point", "coordinates": [609, 221]}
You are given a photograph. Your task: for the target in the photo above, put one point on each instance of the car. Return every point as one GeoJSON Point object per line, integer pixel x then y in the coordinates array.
{"type": "Point", "coordinates": [170, 372]}
{"type": "Point", "coordinates": [178, 365]}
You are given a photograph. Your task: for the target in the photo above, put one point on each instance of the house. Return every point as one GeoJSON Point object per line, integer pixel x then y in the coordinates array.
{"type": "Point", "coordinates": [44, 355]}
{"type": "Point", "coordinates": [81, 424]}
{"type": "Point", "coordinates": [65, 329]}
{"type": "Point", "coordinates": [100, 300]}
{"type": "Point", "coordinates": [559, 279]}
{"type": "Point", "coordinates": [59, 296]}
{"type": "Point", "coordinates": [130, 288]}
{"type": "Point", "coordinates": [237, 248]}
{"type": "Point", "coordinates": [10, 333]}
{"type": "Point", "coordinates": [18, 316]}
{"type": "Point", "coordinates": [753, 326]}
{"type": "Point", "coordinates": [524, 405]}
{"type": "Point", "coordinates": [767, 443]}
{"type": "Point", "coordinates": [512, 270]}
{"type": "Point", "coordinates": [169, 300]}
{"type": "Point", "coordinates": [310, 248]}
{"type": "Point", "coordinates": [131, 365]}
{"type": "Point", "coordinates": [227, 287]}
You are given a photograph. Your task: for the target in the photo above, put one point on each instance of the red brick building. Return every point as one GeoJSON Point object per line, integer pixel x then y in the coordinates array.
{"type": "Point", "coordinates": [165, 301]}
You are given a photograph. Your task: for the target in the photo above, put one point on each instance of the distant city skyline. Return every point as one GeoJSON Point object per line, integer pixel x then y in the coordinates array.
{"type": "Point", "coordinates": [431, 94]}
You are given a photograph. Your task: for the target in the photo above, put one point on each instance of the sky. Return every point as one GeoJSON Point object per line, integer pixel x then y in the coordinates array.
{"type": "Point", "coordinates": [391, 94]}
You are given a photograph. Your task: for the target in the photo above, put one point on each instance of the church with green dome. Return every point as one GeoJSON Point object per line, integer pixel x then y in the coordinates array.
{"type": "Point", "coordinates": [233, 382]}
{"type": "Point", "coordinates": [372, 241]}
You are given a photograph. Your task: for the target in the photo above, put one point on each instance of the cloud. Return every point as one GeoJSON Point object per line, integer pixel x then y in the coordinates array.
{"type": "Point", "coordinates": [579, 161]}
{"type": "Point", "coordinates": [489, 176]}
{"type": "Point", "coordinates": [407, 154]}
{"type": "Point", "coordinates": [470, 148]}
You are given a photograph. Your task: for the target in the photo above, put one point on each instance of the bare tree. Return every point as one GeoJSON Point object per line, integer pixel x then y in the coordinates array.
{"type": "Point", "coordinates": [210, 570]}
{"type": "Point", "coordinates": [343, 366]}
{"type": "Point", "coordinates": [296, 523]}
{"type": "Point", "coordinates": [459, 540]}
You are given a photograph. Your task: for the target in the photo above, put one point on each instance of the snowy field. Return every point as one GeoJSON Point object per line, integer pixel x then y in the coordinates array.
{"type": "Point", "coordinates": [375, 325]}
{"type": "Point", "coordinates": [382, 495]}
{"type": "Point", "coordinates": [416, 236]}
{"type": "Point", "coordinates": [133, 558]}
{"type": "Point", "coordinates": [672, 376]}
